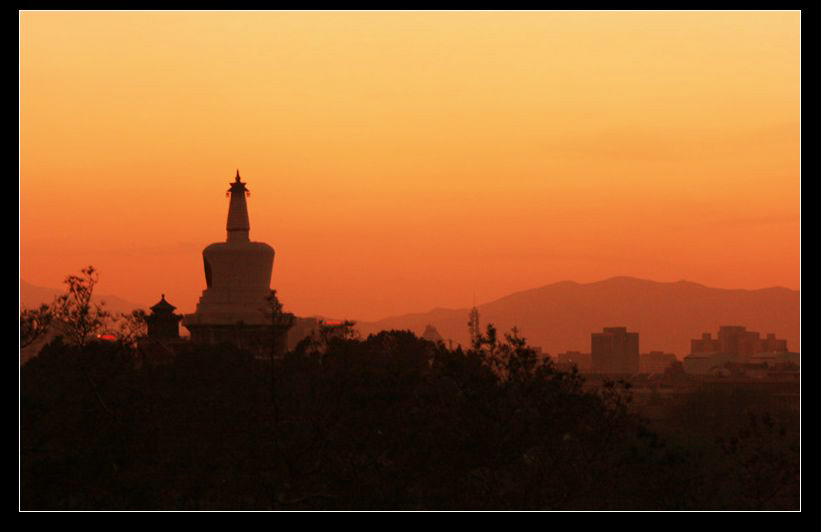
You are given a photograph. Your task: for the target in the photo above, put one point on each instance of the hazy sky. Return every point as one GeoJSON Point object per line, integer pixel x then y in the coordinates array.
{"type": "Point", "coordinates": [402, 161]}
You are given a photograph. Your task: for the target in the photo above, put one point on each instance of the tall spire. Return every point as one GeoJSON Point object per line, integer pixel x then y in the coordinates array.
{"type": "Point", "coordinates": [473, 327]}
{"type": "Point", "coordinates": [238, 225]}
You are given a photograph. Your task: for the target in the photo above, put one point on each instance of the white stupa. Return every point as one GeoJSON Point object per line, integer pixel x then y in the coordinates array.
{"type": "Point", "coordinates": [238, 279]}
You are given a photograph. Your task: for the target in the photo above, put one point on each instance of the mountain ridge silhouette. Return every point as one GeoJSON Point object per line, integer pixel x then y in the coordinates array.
{"type": "Point", "coordinates": [32, 296]}
{"type": "Point", "coordinates": [561, 316]}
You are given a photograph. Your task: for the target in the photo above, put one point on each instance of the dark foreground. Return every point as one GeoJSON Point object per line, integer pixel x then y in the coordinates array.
{"type": "Point", "coordinates": [392, 422]}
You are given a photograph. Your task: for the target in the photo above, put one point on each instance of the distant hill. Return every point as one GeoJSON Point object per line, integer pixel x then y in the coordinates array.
{"type": "Point", "coordinates": [33, 296]}
{"type": "Point", "coordinates": [561, 316]}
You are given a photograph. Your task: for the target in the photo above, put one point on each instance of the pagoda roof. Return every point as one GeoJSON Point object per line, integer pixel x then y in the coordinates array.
{"type": "Point", "coordinates": [163, 306]}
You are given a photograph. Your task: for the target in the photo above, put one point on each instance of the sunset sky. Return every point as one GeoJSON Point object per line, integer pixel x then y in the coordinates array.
{"type": "Point", "coordinates": [400, 161]}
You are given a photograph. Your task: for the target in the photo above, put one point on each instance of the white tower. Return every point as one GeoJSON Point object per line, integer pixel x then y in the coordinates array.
{"type": "Point", "coordinates": [237, 276]}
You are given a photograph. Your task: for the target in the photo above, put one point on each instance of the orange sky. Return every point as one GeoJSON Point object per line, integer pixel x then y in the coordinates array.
{"type": "Point", "coordinates": [402, 161]}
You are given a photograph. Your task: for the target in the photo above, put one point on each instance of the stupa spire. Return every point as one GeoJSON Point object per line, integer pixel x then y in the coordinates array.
{"type": "Point", "coordinates": [238, 225]}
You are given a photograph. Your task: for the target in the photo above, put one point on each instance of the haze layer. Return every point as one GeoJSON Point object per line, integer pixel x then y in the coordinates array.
{"type": "Point", "coordinates": [401, 161]}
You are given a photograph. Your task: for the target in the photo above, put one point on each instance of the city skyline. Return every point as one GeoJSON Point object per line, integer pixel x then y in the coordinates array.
{"type": "Point", "coordinates": [399, 162]}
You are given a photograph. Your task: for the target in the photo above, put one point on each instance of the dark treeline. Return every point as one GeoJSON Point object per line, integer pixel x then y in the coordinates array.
{"type": "Point", "coordinates": [390, 422]}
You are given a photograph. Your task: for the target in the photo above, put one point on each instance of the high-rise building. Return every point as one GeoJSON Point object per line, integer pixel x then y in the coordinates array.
{"type": "Point", "coordinates": [734, 345]}
{"type": "Point", "coordinates": [705, 344]}
{"type": "Point", "coordinates": [738, 341]}
{"type": "Point", "coordinates": [771, 344]}
{"type": "Point", "coordinates": [615, 351]}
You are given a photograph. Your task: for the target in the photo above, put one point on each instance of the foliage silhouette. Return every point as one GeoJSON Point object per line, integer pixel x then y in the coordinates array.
{"type": "Point", "coordinates": [388, 422]}
{"type": "Point", "coordinates": [132, 326]}
{"type": "Point", "coordinates": [34, 324]}
{"type": "Point", "coordinates": [77, 317]}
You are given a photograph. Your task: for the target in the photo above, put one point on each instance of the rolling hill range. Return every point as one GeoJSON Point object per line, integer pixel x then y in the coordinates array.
{"type": "Point", "coordinates": [32, 296]}
{"type": "Point", "coordinates": [561, 316]}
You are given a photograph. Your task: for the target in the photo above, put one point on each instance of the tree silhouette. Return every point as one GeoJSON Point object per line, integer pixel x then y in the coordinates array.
{"type": "Point", "coordinates": [511, 359]}
{"type": "Point", "coordinates": [131, 327]}
{"type": "Point", "coordinates": [389, 422]}
{"type": "Point", "coordinates": [318, 342]}
{"type": "Point", "coordinates": [77, 317]}
{"type": "Point", "coordinates": [34, 324]}
{"type": "Point", "coordinates": [281, 323]}
{"type": "Point", "coordinates": [766, 461]}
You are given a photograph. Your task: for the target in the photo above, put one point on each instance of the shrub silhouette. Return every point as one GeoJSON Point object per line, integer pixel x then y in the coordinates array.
{"type": "Point", "coordinates": [389, 422]}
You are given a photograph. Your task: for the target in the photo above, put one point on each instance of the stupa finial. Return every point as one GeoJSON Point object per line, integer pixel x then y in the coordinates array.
{"type": "Point", "coordinates": [238, 225]}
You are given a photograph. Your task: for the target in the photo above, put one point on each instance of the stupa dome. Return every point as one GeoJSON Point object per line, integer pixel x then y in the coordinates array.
{"type": "Point", "coordinates": [237, 272]}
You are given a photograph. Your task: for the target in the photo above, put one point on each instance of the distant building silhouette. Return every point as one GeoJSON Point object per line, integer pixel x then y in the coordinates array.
{"type": "Point", "coordinates": [655, 362]}
{"type": "Point", "coordinates": [432, 334]}
{"type": "Point", "coordinates": [735, 345]}
{"type": "Point", "coordinates": [162, 342]}
{"type": "Point", "coordinates": [615, 351]}
{"type": "Point", "coordinates": [739, 341]}
{"type": "Point", "coordinates": [705, 344]}
{"type": "Point", "coordinates": [771, 344]}
{"type": "Point", "coordinates": [234, 307]}
{"type": "Point", "coordinates": [473, 326]}
{"type": "Point", "coordinates": [162, 323]}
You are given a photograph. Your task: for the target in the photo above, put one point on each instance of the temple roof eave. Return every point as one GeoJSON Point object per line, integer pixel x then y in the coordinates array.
{"type": "Point", "coordinates": [163, 307]}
